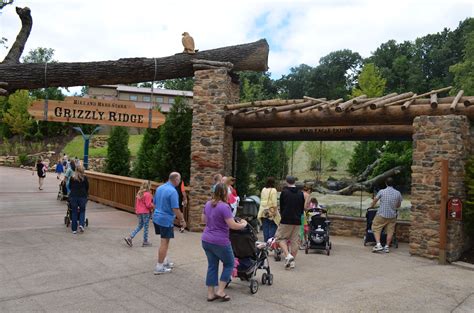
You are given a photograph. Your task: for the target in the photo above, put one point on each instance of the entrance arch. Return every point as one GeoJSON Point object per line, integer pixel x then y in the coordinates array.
{"type": "Point", "coordinates": [439, 128]}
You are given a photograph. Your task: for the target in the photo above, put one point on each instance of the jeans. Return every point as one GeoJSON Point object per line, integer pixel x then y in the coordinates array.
{"type": "Point", "coordinates": [216, 253]}
{"type": "Point", "coordinates": [75, 204]}
{"type": "Point", "coordinates": [143, 221]}
{"type": "Point", "coordinates": [269, 228]}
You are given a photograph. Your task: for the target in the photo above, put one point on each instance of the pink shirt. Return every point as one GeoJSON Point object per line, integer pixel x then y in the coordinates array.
{"type": "Point", "coordinates": [144, 204]}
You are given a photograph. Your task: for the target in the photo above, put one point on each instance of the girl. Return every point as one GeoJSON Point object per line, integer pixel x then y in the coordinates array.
{"type": "Point", "coordinates": [79, 187]}
{"type": "Point", "coordinates": [143, 208]}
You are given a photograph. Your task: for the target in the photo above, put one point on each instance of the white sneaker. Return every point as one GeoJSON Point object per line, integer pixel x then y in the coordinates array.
{"type": "Point", "coordinates": [168, 264]}
{"type": "Point", "coordinates": [289, 258]}
{"type": "Point", "coordinates": [386, 249]}
{"type": "Point", "coordinates": [292, 264]}
{"type": "Point", "coordinates": [378, 247]}
{"type": "Point", "coordinates": [161, 270]}
{"type": "Point", "coordinates": [81, 228]}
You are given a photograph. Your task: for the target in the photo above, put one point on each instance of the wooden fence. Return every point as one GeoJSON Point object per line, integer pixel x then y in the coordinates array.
{"type": "Point", "coordinates": [119, 191]}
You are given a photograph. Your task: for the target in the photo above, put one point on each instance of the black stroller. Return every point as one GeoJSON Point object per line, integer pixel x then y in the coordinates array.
{"type": "Point", "coordinates": [62, 192]}
{"type": "Point", "coordinates": [248, 210]}
{"type": "Point", "coordinates": [318, 237]}
{"type": "Point", "coordinates": [369, 235]}
{"type": "Point", "coordinates": [68, 217]}
{"type": "Point", "coordinates": [252, 255]}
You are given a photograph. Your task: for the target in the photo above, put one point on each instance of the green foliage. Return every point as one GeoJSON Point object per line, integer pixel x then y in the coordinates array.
{"type": "Point", "coordinates": [365, 153]}
{"type": "Point", "coordinates": [173, 151]}
{"type": "Point", "coordinates": [468, 209]}
{"type": "Point", "coordinates": [370, 82]}
{"type": "Point", "coordinates": [271, 161]}
{"type": "Point", "coordinates": [464, 71]}
{"type": "Point", "coordinates": [256, 86]}
{"type": "Point", "coordinates": [396, 153]}
{"type": "Point", "coordinates": [118, 154]}
{"type": "Point", "coordinates": [332, 163]}
{"type": "Point", "coordinates": [145, 161]}
{"type": "Point", "coordinates": [242, 172]}
{"type": "Point", "coordinates": [75, 147]}
{"type": "Point", "coordinates": [23, 158]}
{"type": "Point", "coordinates": [251, 156]}
{"type": "Point", "coordinates": [17, 116]}
{"type": "Point", "coordinates": [186, 83]}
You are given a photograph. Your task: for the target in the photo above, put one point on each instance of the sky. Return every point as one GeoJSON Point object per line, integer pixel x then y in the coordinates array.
{"type": "Point", "coordinates": [297, 31]}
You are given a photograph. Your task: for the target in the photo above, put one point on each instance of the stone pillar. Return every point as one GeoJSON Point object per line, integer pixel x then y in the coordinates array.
{"type": "Point", "coordinates": [436, 138]}
{"type": "Point", "coordinates": [211, 141]}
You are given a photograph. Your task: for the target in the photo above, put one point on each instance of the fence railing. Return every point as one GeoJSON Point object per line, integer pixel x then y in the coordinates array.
{"type": "Point", "coordinates": [118, 191]}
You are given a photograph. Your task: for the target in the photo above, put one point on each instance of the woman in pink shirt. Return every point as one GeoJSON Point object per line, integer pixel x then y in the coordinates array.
{"type": "Point", "coordinates": [143, 207]}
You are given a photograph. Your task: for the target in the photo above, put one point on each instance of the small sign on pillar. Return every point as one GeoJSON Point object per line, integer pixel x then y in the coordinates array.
{"type": "Point", "coordinates": [455, 209]}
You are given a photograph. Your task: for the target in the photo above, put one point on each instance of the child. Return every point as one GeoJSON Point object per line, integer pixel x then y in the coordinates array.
{"type": "Point", "coordinates": [143, 208]}
{"type": "Point", "coordinates": [314, 210]}
{"type": "Point", "coordinates": [59, 169]}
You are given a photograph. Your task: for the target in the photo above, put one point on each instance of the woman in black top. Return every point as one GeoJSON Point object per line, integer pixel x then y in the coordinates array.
{"type": "Point", "coordinates": [41, 171]}
{"type": "Point", "coordinates": [78, 198]}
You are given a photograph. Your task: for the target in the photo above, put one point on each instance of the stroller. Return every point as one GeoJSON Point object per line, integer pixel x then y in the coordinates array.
{"type": "Point", "coordinates": [62, 193]}
{"type": "Point", "coordinates": [68, 217]}
{"type": "Point", "coordinates": [252, 256]}
{"type": "Point", "coordinates": [369, 235]}
{"type": "Point", "coordinates": [318, 237]}
{"type": "Point", "coordinates": [249, 210]}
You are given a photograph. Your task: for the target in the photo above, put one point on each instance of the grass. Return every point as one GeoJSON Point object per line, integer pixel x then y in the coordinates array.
{"type": "Point", "coordinates": [76, 147]}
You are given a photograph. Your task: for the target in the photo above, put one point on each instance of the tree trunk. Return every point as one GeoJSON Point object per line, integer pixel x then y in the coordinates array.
{"type": "Point", "coordinates": [16, 50]}
{"type": "Point", "coordinates": [363, 176]}
{"type": "Point", "coordinates": [251, 57]}
{"type": "Point", "coordinates": [365, 186]}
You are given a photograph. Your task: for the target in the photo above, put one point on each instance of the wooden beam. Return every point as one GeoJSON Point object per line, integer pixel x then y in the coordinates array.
{"type": "Point", "coordinates": [469, 101]}
{"type": "Point", "coordinates": [390, 101]}
{"type": "Point", "coordinates": [372, 132]}
{"type": "Point", "coordinates": [388, 115]}
{"type": "Point", "coordinates": [452, 107]}
{"type": "Point", "coordinates": [434, 100]}
{"type": "Point", "coordinates": [368, 103]}
{"type": "Point", "coordinates": [263, 103]}
{"type": "Point", "coordinates": [330, 104]}
{"type": "Point", "coordinates": [289, 107]}
{"type": "Point", "coordinates": [252, 57]}
{"type": "Point", "coordinates": [408, 103]}
{"type": "Point", "coordinates": [346, 105]}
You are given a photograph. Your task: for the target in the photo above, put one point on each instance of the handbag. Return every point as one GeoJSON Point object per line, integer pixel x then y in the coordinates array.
{"type": "Point", "coordinates": [271, 211]}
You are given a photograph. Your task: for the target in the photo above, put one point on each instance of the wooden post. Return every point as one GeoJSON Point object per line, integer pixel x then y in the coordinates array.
{"type": "Point", "coordinates": [442, 212]}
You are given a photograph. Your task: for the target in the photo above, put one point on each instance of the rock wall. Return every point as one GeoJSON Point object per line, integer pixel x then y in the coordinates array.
{"type": "Point", "coordinates": [355, 227]}
{"type": "Point", "coordinates": [435, 138]}
{"type": "Point", "coordinates": [211, 141]}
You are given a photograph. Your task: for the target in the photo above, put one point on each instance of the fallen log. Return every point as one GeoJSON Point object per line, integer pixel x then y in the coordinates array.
{"type": "Point", "coordinates": [363, 176]}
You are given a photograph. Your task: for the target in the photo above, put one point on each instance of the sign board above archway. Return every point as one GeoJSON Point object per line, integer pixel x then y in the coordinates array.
{"type": "Point", "coordinates": [96, 111]}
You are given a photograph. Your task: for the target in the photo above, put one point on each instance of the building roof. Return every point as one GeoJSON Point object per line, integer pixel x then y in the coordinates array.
{"type": "Point", "coordinates": [147, 90]}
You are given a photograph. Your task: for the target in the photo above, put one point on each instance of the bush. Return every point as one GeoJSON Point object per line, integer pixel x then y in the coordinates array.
{"type": "Point", "coordinates": [118, 155]}
{"type": "Point", "coordinates": [24, 159]}
{"type": "Point", "coordinates": [468, 210]}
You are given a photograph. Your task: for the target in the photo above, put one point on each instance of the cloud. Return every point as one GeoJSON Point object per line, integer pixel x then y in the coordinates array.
{"type": "Point", "coordinates": [297, 31]}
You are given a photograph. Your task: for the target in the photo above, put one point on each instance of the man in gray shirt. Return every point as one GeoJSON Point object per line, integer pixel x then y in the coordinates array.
{"type": "Point", "coordinates": [390, 201]}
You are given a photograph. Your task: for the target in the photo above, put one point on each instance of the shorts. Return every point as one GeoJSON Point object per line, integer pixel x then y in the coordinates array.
{"type": "Point", "coordinates": [164, 232]}
{"type": "Point", "coordinates": [380, 222]}
{"type": "Point", "coordinates": [287, 232]}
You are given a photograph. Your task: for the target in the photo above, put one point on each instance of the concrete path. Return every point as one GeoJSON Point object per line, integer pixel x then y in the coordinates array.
{"type": "Point", "coordinates": [45, 268]}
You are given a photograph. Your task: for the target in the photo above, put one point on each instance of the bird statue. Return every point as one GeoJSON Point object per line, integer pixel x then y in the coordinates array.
{"type": "Point", "coordinates": [188, 43]}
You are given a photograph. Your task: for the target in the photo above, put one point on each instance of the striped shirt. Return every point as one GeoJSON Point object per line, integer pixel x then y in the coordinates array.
{"type": "Point", "coordinates": [389, 200]}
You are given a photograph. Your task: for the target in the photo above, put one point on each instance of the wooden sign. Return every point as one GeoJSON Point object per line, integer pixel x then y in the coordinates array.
{"type": "Point", "coordinates": [96, 111]}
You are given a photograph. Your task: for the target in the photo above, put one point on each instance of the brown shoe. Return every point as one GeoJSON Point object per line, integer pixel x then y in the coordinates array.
{"type": "Point", "coordinates": [128, 240]}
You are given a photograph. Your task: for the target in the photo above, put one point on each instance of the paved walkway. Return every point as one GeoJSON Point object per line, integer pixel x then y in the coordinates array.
{"type": "Point", "coordinates": [44, 268]}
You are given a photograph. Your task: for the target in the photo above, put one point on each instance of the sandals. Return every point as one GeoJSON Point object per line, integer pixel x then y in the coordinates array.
{"type": "Point", "coordinates": [223, 298]}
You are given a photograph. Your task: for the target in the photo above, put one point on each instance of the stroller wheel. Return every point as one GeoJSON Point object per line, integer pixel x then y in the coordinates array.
{"type": "Point", "coordinates": [330, 246]}
{"type": "Point", "coordinates": [253, 286]}
{"type": "Point", "coordinates": [65, 220]}
{"type": "Point", "coordinates": [87, 222]}
{"type": "Point", "coordinates": [306, 250]}
{"type": "Point", "coordinates": [264, 278]}
{"type": "Point", "coordinates": [365, 241]}
{"type": "Point", "coordinates": [270, 279]}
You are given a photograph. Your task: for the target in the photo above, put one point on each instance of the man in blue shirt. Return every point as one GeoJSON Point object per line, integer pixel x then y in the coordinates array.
{"type": "Point", "coordinates": [166, 209]}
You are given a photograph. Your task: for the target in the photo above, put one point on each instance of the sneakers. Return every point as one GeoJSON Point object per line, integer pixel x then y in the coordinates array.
{"type": "Point", "coordinates": [74, 232]}
{"type": "Point", "coordinates": [146, 244]}
{"type": "Point", "coordinates": [378, 247]}
{"type": "Point", "coordinates": [292, 264]}
{"type": "Point", "coordinates": [81, 228]}
{"type": "Point", "coordinates": [128, 240]}
{"type": "Point", "coordinates": [161, 269]}
{"type": "Point", "coordinates": [168, 264]}
{"type": "Point", "coordinates": [289, 258]}
{"type": "Point", "coordinates": [386, 249]}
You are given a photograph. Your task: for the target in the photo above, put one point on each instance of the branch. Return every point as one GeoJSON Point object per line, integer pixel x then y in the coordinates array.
{"type": "Point", "coordinates": [16, 50]}
{"type": "Point", "coordinates": [363, 176]}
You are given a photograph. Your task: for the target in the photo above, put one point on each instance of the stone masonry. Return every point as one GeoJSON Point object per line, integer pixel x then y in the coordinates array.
{"type": "Point", "coordinates": [211, 140]}
{"type": "Point", "coordinates": [436, 138]}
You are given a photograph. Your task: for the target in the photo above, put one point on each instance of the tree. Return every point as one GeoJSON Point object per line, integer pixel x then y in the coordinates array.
{"type": "Point", "coordinates": [464, 71]}
{"type": "Point", "coordinates": [17, 116]}
{"type": "Point", "coordinates": [271, 161]}
{"type": "Point", "coordinates": [251, 155]}
{"type": "Point", "coordinates": [242, 172]}
{"type": "Point", "coordinates": [396, 153]}
{"type": "Point", "coordinates": [369, 82]}
{"type": "Point", "coordinates": [185, 83]}
{"type": "Point", "coordinates": [118, 154]}
{"type": "Point", "coordinates": [365, 153]}
{"type": "Point", "coordinates": [146, 159]}
{"type": "Point", "coordinates": [174, 147]}
{"type": "Point", "coordinates": [256, 86]}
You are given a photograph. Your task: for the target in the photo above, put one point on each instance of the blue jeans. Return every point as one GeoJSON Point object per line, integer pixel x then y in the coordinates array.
{"type": "Point", "coordinates": [216, 253]}
{"type": "Point", "coordinates": [269, 229]}
{"type": "Point", "coordinates": [143, 221]}
{"type": "Point", "coordinates": [75, 204]}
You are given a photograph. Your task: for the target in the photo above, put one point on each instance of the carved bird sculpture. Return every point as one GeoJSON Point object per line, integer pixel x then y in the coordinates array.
{"type": "Point", "coordinates": [188, 43]}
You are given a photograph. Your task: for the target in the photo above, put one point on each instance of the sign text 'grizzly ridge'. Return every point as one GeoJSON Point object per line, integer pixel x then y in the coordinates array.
{"type": "Point", "coordinates": [97, 111]}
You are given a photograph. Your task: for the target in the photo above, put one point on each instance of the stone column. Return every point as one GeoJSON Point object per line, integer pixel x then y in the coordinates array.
{"type": "Point", "coordinates": [210, 139]}
{"type": "Point", "coordinates": [436, 138]}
